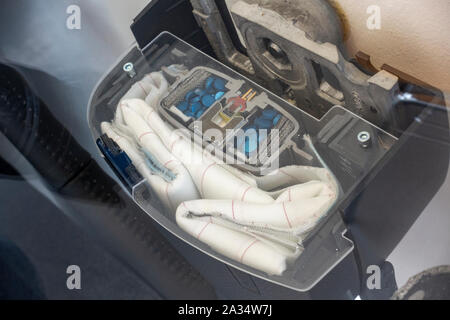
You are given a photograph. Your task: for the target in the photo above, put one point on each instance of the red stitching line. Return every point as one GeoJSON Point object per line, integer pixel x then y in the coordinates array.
{"type": "Point", "coordinates": [203, 176]}
{"type": "Point", "coordinates": [165, 164]}
{"type": "Point", "coordinates": [140, 85]}
{"type": "Point", "coordinates": [245, 251]}
{"type": "Point", "coordinates": [243, 196]}
{"type": "Point", "coordinates": [285, 214]}
{"type": "Point", "coordinates": [174, 143]}
{"type": "Point", "coordinates": [144, 134]}
{"type": "Point", "coordinates": [203, 229]}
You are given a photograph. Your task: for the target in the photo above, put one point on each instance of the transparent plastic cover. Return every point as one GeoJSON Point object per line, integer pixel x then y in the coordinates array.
{"type": "Point", "coordinates": [230, 168]}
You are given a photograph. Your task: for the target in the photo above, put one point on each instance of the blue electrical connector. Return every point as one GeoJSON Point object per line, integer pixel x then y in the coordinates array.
{"type": "Point", "coordinates": [120, 162]}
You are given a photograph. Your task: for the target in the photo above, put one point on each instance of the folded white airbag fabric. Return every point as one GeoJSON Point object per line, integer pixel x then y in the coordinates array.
{"type": "Point", "coordinates": [171, 193]}
{"type": "Point", "coordinates": [235, 213]}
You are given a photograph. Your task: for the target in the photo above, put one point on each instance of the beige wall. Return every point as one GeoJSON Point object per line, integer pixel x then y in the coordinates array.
{"type": "Point", "coordinates": [414, 36]}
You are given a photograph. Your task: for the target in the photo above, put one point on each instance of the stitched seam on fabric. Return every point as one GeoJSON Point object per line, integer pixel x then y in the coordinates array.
{"type": "Point", "coordinates": [203, 176]}
{"type": "Point", "coordinates": [245, 251]}
{"type": "Point", "coordinates": [286, 215]}
{"type": "Point", "coordinates": [243, 195]}
{"type": "Point", "coordinates": [144, 134]}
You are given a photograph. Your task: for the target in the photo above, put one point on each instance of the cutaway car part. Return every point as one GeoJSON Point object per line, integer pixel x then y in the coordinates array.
{"type": "Point", "coordinates": [277, 217]}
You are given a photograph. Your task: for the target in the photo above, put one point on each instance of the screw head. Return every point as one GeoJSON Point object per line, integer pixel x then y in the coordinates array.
{"type": "Point", "coordinates": [364, 139]}
{"type": "Point", "coordinates": [129, 69]}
